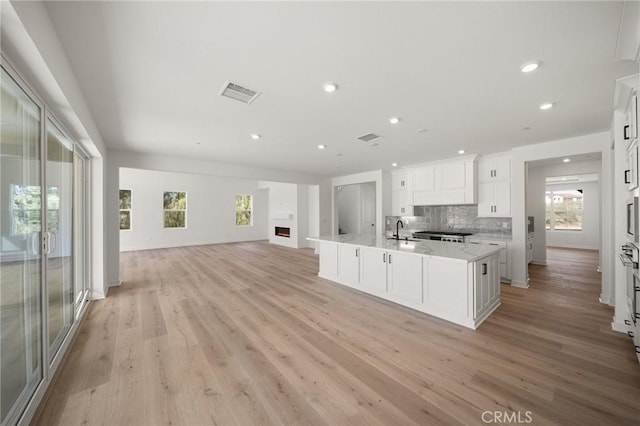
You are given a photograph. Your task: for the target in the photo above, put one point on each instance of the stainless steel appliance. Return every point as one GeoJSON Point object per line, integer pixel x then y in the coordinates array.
{"type": "Point", "coordinates": [632, 220]}
{"type": "Point", "coordinates": [530, 226]}
{"type": "Point", "coordinates": [455, 237]}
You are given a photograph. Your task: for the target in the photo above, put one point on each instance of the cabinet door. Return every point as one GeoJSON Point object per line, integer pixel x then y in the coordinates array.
{"type": "Point", "coordinates": [502, 169]}
{"type": "Point", "coordinates": [424, 178]}
{"type": "Point", "coordinates": [404, 275]}
{"type": "Point", "coordinates": [399, 205]}
{"type": "Point", "coordinates": [328, 259]}
{"type": "Point", "coordinates": [399, 180]}
{"type": "Point", "coordinates": [485, 170]}
{"type": "Point", "coordinates": [485, 199]}
{"type": "Point", "coordinates": [373, 270]}
{"type": "Point", "coordinates": [632, 160]}
{"type": "Point", "coordinates": [502, 198]}
{"type": "Point", "coordinates": [486, 285]}
{"type": "Point", "coordinates": [348, 264]}
{"type": "Point", "coordinates": [452, 175]}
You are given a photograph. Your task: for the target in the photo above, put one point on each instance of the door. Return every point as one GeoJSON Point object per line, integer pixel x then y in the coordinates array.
{"type": "Point", "coordinates": [20, 259]}
{"type": "Point", "coordinates": [59, 236]}
{"type": "Point", "coordinates": [368, 208]}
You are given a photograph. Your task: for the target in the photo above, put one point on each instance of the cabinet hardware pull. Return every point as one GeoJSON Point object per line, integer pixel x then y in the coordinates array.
{"type": "Point", "coordinates": [389, 258]}
{"type": "Point", "coordinates": [484, 269]}
{"type": "Point", "coordinates": [627, 179]}
{"type": "Point", "coordinates": [637, 316]}
{"type": "Point", "coordinates": [384, 257]}
{"type": "Point", "coordinates": [626, 132]}
{"type": "Point", "coordinates": [638, 349]}
{"type": "Point", "coordinates": [357, 252]}
{"type": "Point", "coordinates": [627, 322]}
{"type": "Point", "coordinates": [630, 334]}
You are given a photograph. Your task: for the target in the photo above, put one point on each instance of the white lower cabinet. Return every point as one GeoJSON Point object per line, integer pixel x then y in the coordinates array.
{"type": "Point", "coordinates": [487, 288]}
{"type": "Point", "coordinates": [373, 270]}
{"type": "Point", "coordinates": [328, 260]}
{"type": "Point", "coordinates": [349, 264]}
{"type": "Point", "coordinates": [395, 273]}
{"type": "Point", "coordinates": [463, 292]}
{"type": "Point", "coordinates": [404, 276]}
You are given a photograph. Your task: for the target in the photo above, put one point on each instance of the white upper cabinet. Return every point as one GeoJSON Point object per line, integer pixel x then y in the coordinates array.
{"type": "Point", "coordinates": [494, 187]}
{"type": "Point", "coordinates": [494, 169]}
{"type": "Point", "coordinates": [401, 193]}
{"type": "Point", "coordinates": [444, 182]}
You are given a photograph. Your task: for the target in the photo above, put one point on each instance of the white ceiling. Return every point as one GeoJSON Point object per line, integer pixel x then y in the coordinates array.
{"type": "Point", "coordinates": [151, 73]}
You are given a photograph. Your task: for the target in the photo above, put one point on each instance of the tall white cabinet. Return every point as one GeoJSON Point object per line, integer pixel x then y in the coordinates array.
{"type": "Point", "coordinates": [494, 186]}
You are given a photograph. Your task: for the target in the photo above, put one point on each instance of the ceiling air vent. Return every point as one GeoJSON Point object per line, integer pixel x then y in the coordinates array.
{"type": "Point", "coordinates": [369, 137]}
{"type": "Point", "coordinates": [239, 93]}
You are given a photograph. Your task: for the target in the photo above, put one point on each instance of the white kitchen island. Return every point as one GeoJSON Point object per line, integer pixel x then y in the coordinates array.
{"type": "Point", "coordinates": [453, 281]}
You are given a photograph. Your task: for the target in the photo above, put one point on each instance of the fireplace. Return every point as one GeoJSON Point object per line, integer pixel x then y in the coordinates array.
{"type": "Point", "coordinates": [283, 232]}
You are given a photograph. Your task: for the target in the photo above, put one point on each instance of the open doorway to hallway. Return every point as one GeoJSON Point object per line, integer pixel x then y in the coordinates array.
{"type": "Point", "coordinates": [564, 204]}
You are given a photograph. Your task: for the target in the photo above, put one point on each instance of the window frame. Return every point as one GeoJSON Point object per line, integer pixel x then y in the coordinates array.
{"type": "Point", "coordinates": [129, 210]}
{"type": "Point", "coordinates": [250, 210]}
{"type": "Point", "coordinates": [165, 210]}
{"type": "Point", "coordinates": [549, 193]}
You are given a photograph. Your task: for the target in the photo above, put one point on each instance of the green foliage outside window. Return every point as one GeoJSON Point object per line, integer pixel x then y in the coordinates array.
{"type": "Point", "coordinates": [175, 209]}
{"type": "Point", "coordinates": [244, 207]}
{"type": "Point", "coordinates": [26, 208]}
{"type": "Point", "coordinates": [564, 210]}
{"type": "Point", "coordinates": [125, 209]}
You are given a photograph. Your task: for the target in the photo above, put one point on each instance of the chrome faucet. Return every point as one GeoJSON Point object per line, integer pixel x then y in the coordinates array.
{"type": "Point", "coordinates": [398, 224]}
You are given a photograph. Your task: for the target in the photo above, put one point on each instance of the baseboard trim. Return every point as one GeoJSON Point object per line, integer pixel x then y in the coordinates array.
{"type": "Point", "coordinates": [520, 284]}
{"type": "Point", "coordinates": [604, 300]}
{"type": "Point", "coordinates": [620, 327]}
{"type": "Point", "coordinates": [539, 262]}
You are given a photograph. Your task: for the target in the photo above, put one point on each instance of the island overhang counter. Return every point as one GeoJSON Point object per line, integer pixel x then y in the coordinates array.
{"type": "Point", "coordinates": [457, 282]}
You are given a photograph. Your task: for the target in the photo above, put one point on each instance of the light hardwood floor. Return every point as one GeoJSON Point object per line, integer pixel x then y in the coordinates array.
{"type": "Point", "coordinates": [246, 333]}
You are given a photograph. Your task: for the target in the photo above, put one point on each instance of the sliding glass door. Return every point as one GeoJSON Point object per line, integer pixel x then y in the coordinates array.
{"type": "Point", "coordinates": [21, 205]}
{"type": "Point", "coordinates": [59, 248]}
{"type": "Point", "coordinates": [43, 242]}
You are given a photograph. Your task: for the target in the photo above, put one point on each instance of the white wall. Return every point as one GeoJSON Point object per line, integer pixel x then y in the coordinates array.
{"type": "Point", "coordinates": [210, 209]}
{"type": "Point", "coordinates": [589, 236]}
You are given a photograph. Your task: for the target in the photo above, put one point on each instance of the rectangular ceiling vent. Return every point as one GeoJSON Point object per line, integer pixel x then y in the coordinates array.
{"type": "Point", "coordinates": [239, 93]}
{"type": "Point", "coordinates": [369, 137]}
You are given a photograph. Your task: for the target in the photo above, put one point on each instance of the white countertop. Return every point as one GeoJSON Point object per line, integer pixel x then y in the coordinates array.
{"type": "Point", "coordinates": [460, 251]}
{"type": "Point", "coordinates": [490, 236]}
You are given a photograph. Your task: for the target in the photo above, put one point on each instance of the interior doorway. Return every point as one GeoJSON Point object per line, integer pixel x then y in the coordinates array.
{"type": "Point", "coordinates": [564, 204]}
{"type": "Point", "coordinates": [357, 208]}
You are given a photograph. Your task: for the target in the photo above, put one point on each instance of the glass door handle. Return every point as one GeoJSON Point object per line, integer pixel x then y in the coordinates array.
{"type": "Point", "coordinates": [53, 241]}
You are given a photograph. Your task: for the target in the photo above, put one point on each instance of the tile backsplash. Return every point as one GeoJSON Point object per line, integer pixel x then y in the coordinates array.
{"type": "Point", "coordinates": [449, 218]}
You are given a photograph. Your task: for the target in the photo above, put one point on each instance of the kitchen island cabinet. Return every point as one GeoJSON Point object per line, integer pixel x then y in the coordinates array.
{"type": "Point", "coordinates": [453, 281]}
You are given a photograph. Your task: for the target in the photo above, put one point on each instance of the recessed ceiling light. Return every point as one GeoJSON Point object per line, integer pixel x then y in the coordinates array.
{"type": "Point", "coordinates": [546, 105]}
{"type": "Point", "coordinates": [461, 151]}
{"type": "Point", "coordinates": [394, 164]}
{"type": "Point", "coordinates": [339, 155]}
{"type": "Point", "coordinates": [530, 66]}
{"type": "Point", "coordinates": [255, 136]}
{"type": "Point", "coordinates": [330, 87]}
{"type": "Point", "coordinates": [566, 160]}
{"type": "Point", "coordinates": [394, 120]}
{"type": "Point", "coordinates": [422, 130]}
{"type": "Point", "coordinates": [322, 146]}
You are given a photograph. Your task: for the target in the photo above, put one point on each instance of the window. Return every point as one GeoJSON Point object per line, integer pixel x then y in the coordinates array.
{"type": "Point", "coordinates": [564, 210]}
{"type": "Point", "coordinates": [175, 209]}
{"type": "Point", "coordinates": [125, 209]}
{"type": "Point", "coordinates": [27, 211]}
{"type": "Point", "coordinates": [244, 206]}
